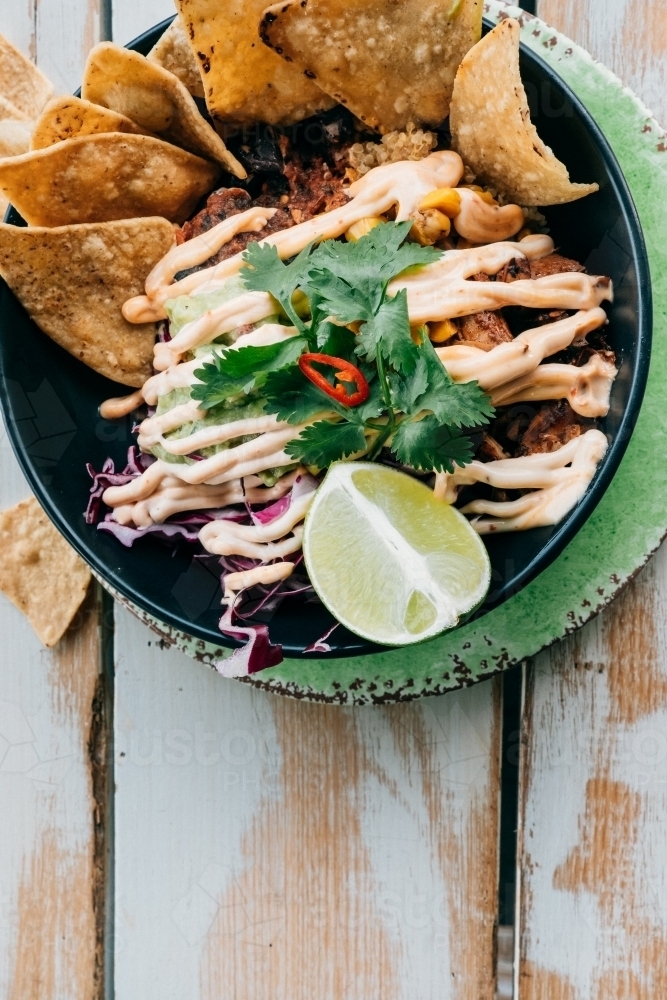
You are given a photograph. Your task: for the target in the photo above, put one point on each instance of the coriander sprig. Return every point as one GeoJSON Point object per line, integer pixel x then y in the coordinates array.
{"type": "Point", "coordinates": [414, 407]}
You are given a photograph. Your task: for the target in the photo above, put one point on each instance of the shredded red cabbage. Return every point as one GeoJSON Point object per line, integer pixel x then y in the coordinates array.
{"type": "Point", "coordinates": [137, 463]}
{"type": "Point", "coordinates": [321, 645]}
{"type": "Point", "coordinates": [163, 334]}
{"type": "Point", "coordinates": [257, 654]}
{"type": "Point", "coordinates": [302, 485]}
{"type": "Point", "coordinates": [127, 536]}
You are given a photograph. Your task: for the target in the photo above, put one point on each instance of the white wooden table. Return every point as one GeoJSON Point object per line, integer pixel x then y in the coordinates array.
{"type": "Point", "coordinates": [261, 848]}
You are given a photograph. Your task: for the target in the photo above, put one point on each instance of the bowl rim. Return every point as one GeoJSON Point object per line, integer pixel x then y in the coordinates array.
{"type": "Point", "coordinates": [564, 533]}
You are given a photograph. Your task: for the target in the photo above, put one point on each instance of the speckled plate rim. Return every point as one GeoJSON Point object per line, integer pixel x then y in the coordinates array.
{"type": "Point", "coordinates": [620, 536]}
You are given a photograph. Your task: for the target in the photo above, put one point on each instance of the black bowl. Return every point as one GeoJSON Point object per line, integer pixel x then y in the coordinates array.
{"type": "Point", "coordinates": [50, 403]}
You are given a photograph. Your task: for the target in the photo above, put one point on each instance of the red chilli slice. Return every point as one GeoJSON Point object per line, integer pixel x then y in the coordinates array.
{"type": "Point", "coordinates": [346, 372]}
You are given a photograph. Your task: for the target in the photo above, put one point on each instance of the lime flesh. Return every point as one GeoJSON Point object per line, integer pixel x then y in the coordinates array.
{"type": "Point", "coordinates": [392, 563]}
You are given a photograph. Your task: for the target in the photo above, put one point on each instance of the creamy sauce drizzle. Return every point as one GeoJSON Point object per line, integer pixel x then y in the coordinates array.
{"type": "Point", "coordinates": [226, 538]}
{"type": "Point", "coordinates": [560, 479]}
{"type": "Point", "coordinates": [558, 488]}
{"type": "Point", "coordinates": [438, 291]}
{"type": "Point", "coordinates": [121, 406]}
{"type": "Point", "coordinates": [207, 437]}
{"type": "Point", "coordinates": [510, 361]}
{"type": "Point", "coordinates": [236, 582]}
{"type": "Point", "coordinates": [173, 497]}
{"type": "Point", "coordinates": [480, 222]}
{"type": "Point", "coordinates": [587, 389]}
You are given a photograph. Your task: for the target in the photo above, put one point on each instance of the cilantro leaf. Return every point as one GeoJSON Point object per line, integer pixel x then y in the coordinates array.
{"type": "Point", "coordinates": [242, 370]}
{"type": "Point", "coordinates": [264, 271]}
{"type": "Point", "coordinates": [337, 341]}
{"type": "Point", "coordinates": [429, 445]}
{"type": "Point", "coordinates": [336, 297]}
{"type": "Point", "coordinates": [389, 332]}
{"type": "Point", "coordinates": [373, 406]}
{"type": "Point", "coordinates": [293, 397]}
{"type": "Point", "coordinates": [323, 443]}
{"type": "Point", "coordinates": [369, 264]}
{"type": "Point", "coordinates": [350, 279]}
{"type": "Point", "coordinates": [454, 403]}
{"type": "Point", "coordinates": [405, 391]}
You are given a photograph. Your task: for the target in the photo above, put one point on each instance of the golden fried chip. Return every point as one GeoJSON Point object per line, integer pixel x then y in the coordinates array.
{"type": "Point", "coordinates": [9, 112]}
{"type": "Point", "coordinates": [71, 118]}
{"type": "Point", "coordinates": [98, 178]}
{"type": "Point", "coordinates": [155, 99]}
{"type": "Point", "coordinates": [492, 130]}
{"type": "Point", "coordinates": [388, 62]}
{"type": "Point", "coordinates": [40, 572]}
{"type": "Point", "coordinates": [243, 82]}
{"type": "Point", "coordinates": [173, 51]}
{"type": "Point", "coordinates": [14, 137]}
{"type": "Point", "coordinates": [74, 280]}
{"type": "Point", "coordinates": [21, 82]}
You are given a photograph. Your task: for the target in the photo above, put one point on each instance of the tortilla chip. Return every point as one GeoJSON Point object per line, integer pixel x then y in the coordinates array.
{"type": "Point", "coordinates": [71, 118]}
{"type": "Point", "coordinates": [173, 52]}
{"type": "Point", "coordinates": [155, 99]}
{"type": "Point", "coordinates": [14, 137]}
{"type": "Point", "coordinates": [390, 63]}
{"type": "Point", "coordinates": [492, 130]}
{"type": "Point", "coordinates": [21, 82]}
{"type": "Point", "coordinates": [98, 178]}
{"type": "Point", "coordinates": [40, 572]}
{"type": "Point", "coordinates": [73, 282]}
{"type": "Point", "coordinates": [9, 112]}
{"type": "Point", "coordinates": [244, 83]}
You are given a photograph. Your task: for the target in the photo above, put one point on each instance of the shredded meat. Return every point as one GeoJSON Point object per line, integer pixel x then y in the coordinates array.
{"type": "Point", "coordinates": [221, 205]}
{"type": "Point", "coordinates": [484, 329]}
{"type": "Point", "coordinates": [553, 427]}
{"type": "Point", "coordinates": [516, 269]}
{"type": "Point", "coordinates": [312, 188]}
{"type": "Point", "coordinates": [490, 450]}
{"type": "Point", "coordinates": [554, 316]}
{"type": "Point", "coordinates": [553, 264]}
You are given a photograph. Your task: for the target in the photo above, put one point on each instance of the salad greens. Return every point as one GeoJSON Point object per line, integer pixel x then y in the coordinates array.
{"type": "Point", "coordinates": [414, 408]}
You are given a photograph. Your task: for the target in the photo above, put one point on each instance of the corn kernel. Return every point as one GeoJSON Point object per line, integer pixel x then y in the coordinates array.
{"type": "Point", "coordinates": [486, 196]}
{"type": "Point", "coordinates": [430, 227]}
{"type": "Point", "coordinates": [446, 200]}
{"type": "Point", "coordinates": [362, 228]}
{"type": "Point", "coordinates": [526, 231]}
{"type": "Point", "coordinates": [440, 332]}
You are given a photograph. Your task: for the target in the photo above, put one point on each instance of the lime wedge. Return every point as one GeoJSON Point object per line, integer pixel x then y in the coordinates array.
{"type": "Point", "coordinates": [392, 563]}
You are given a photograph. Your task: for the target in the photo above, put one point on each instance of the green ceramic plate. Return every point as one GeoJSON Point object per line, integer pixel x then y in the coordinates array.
{"type": "Point", "coordinates": [619, 537]}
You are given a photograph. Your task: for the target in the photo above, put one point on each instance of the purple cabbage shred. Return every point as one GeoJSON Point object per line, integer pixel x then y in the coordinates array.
{"type": "Point", "coordinates": [321, 645]}
{"type": "Point", "coordinates": [257, 654]}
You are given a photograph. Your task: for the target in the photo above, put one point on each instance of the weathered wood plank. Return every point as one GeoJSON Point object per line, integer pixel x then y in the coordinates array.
{"type": "Point", "coordinates": [51, 848]}
{"type": "Point", "coordinates": [266, 847]}
{"type": "Point", "coordinates": [594, 807]}
{"type": "Point", "coordinates": [628, 36]}
{"type": "Point", "coordinates": [131, 19]}
{"type": "Point", "coordinates": [593, 865]}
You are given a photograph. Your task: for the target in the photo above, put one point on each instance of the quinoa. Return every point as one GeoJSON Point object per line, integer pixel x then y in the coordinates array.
{"type": "Point", "coordinates": [413, 144]}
